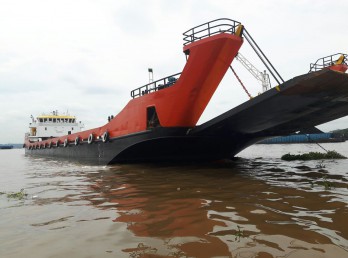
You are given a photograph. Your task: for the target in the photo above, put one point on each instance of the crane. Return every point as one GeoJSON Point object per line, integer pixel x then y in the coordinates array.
{"type": "Point", "coordinates": [262, 77]}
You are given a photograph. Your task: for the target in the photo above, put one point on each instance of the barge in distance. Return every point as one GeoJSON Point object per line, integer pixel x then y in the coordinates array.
{"type": "Point", "coordinates": [159, 123]}
{"type": "Point", "coordinates": [6, 146]}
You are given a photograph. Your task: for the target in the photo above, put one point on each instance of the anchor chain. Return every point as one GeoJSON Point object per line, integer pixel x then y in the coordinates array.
{"type": "Point", "coordinates": [235, 74]}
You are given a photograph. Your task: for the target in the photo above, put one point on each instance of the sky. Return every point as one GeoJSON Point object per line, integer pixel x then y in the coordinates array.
{"type": "Point", "coordinates": [85, 56]}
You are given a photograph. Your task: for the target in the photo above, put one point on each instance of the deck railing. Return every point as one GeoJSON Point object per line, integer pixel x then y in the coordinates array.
{"type": "Point", "coordinates": [155, 86]}
{"type": "Point", "coordinates": [205, 30]}
{"type": "Point", "coordinates": [327, 61]}
{"type": "Point", "coordinates": [211, 28]}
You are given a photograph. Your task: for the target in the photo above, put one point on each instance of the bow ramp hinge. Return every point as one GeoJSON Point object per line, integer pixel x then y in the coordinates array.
{"type": "Point", "coordinates": [340, 60]}
{"type": "Point", "coordinates": [239, 30]}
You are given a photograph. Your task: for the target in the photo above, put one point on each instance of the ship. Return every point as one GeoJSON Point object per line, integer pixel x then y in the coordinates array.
{"type": "Point", "coordinates": [159, 123]}
{"type": "Point", "coordinates": [6, 146]}
{"type": "Point", "coordinates": [52, 125]}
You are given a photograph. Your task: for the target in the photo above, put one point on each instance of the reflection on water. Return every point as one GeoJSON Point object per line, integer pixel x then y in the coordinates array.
{"type": "Point", "coordinates": [250, 207]}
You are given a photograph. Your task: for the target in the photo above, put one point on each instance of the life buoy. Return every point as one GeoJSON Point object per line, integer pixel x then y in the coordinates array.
{"type": "Point", "coordinates": [90, 138]}
{"type": "Point", "coordinates": [77, 141]}
{"type": "Point", "coordinates": [66, 142]}
{"type": "Point", "coordinates": [105, 137]}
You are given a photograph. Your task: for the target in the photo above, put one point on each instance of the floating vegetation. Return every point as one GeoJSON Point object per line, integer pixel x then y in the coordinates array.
{"type": "Point", "coordinates": [142, 251]}
{"type": "Point", "coordinates": [320, 165]}
{"type": "Point", "coordinates": [16, 195]}
{"type": "Point", "coordinates": [238, 234]}
{"type": "Point", "coordinates": [325, 183]}
{"type": "Point", "coordinates": [313, 156]}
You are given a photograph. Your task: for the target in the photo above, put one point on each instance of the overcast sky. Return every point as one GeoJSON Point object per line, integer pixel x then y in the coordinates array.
{"type": "Point", "coordinates": [86, 56]}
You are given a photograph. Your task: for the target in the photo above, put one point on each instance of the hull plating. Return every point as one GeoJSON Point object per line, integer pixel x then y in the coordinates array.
{"type": "Point", "coordinates": [160, 144]}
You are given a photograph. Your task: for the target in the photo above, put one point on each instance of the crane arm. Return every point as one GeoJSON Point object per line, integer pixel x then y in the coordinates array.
{"type": "Point", "coordinates": [250, 67]}
{"type": "Point", "coordinates": [262, 77]}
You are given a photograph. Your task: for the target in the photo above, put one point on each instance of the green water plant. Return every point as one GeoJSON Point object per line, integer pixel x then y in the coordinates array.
{"type": "Point", "coordinates": [313, 156]}
{"type": "Point", "coordinates": [324, 182]}
{"type": "Point", "coordinates": [239, 233]}
{"type": "Point", "coordinates": [327, 184]}
{"type": "Point", "coordinates": [17, 195]}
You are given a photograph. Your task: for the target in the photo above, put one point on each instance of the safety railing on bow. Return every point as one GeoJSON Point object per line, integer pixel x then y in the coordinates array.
{"type": "Point", "coordinates": [225, 25]}
{"type": "Point", "coordinates": [273, 71]}
{"type": "Point", "coordinates": [328, 61]}
{"type": "Point", "coordinates": [155, 86]}
{"type": "Point", "coordinates": [211, 28]}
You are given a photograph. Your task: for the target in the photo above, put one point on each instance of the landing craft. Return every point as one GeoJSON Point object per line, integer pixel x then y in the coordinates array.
{"type": "Point", "coordinates": [159, 123]}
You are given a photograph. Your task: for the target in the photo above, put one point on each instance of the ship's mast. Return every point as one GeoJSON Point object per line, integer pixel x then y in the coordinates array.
{"type": "Point", "coordinates": [150, 75]}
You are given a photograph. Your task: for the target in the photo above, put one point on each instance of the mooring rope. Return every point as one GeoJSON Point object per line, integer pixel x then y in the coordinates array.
{"type": "Point", "coordinates": [235, 74]}
{"type": "Point", "coordinates": [317, 143]}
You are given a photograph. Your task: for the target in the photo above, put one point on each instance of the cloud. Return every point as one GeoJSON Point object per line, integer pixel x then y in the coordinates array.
{"type": "Point", "coordinates": [86, 56]}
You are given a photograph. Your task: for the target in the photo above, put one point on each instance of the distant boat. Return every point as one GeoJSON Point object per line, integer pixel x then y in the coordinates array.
{"type": "Point", "coordinates": [304, 138]}
{"type": "Point", "coordinates": [309, 135]}
{"type": "Point", "coordinates": [6, 147]}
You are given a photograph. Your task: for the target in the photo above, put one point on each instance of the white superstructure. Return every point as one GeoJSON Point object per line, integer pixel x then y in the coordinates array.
{"type": "Point", "coordinates": [52, 125]}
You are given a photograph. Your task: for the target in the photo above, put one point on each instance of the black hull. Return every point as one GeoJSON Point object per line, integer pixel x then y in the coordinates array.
{"type": "Point", "coordinates": [159, 144]}
{"type": "Point", "coordinates": [300, 103]}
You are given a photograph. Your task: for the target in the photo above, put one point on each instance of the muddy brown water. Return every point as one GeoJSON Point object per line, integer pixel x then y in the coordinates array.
{"type": "Point", "coordinates": [255, 206]}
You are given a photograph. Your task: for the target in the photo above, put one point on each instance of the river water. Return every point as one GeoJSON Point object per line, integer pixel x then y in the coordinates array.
{"type": "Point", "coordinates": [254, 206]}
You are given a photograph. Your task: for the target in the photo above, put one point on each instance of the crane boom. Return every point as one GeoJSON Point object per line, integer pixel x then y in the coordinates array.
{"type": "Point", "coordinates": [261, 77]}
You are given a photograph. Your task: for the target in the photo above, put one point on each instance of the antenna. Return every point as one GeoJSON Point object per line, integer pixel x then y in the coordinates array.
{"type": "Point", "coordinates": [150, 75]}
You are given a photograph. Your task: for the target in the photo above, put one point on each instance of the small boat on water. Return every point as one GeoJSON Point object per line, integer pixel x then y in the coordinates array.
{"type": "Point", "coordinates": [6, 146]}
{"type": "Point", "coordinates": [159, 123]}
